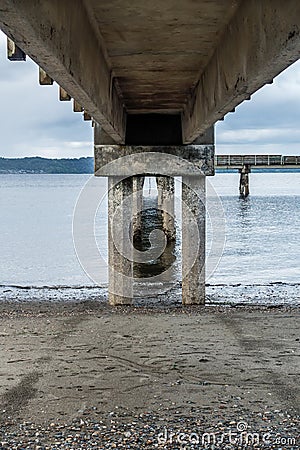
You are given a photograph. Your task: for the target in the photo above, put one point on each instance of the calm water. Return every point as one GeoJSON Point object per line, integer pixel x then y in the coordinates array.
{"type": "Point", "coordinates": [260, 262]}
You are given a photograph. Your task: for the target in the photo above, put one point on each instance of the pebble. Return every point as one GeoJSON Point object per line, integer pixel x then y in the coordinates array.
{"type": "Point", "coordinates": [137, 431]}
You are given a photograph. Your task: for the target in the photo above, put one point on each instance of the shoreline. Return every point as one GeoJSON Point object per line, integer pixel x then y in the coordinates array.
{"type": "Point", "coordinates": [139, 306]}
{"type": "Point", "coordinates": [276, 294]}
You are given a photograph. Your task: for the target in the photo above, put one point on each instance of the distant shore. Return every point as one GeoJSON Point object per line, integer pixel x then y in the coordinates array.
{"type": "Point", "coordinates": [38, 165]}
{"type": "Point", "coordinates": [83, 165]}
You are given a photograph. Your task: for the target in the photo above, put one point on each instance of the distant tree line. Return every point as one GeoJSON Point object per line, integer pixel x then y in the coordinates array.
{"type": "Point", "coordinates": [45, 165]}
{"type": "Point", "coordinates": [76, 165]}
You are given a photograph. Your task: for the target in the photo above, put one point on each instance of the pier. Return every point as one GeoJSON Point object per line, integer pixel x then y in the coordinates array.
{"type": "Point", "coordinates": [257, 161]}
{"type": "Point", "coordinates": [244, 163]}
{"type": "Point", "coordinates": [154, 79]}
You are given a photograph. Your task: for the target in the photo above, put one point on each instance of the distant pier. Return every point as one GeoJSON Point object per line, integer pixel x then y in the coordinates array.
{"type": "Point", "coordinates": [259, 161]}
{"type": "Point", "coordinates": [244, 163]}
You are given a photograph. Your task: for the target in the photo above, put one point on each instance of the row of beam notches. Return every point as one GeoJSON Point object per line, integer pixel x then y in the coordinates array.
{"type": "Point", "coordinates": [65, 97]}
{"type": "Point", "coordinates": [14, 53]}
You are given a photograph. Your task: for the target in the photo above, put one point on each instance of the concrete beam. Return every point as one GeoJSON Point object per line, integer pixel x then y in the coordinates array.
{"type": "Point", "coordinates": [101, 137]}
{"type": "Point", "coordinates": [63, 95]}
{"type": "Point", "coordinates": [44, 78]}
{"type": "Point", "coordinates": [59, 37]}
{"type": "Point", "coordinates": [262, 39]}
{"type": "Point", "coordinates": [126, 160]}
{"type": "Point", "coordinates": [193, 240]}
{"type": "Point", "coordinates": [86, 117]}
{"type": "Point", "coordinates": [14, 53]}
{"type": "Point", "coordinates": [76, 106]}
{"type": "Point", "coordinates": [207, 138]}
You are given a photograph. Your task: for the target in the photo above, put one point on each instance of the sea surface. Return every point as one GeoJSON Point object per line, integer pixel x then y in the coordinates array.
{"type": "Point", "coordinates": [253, 244]}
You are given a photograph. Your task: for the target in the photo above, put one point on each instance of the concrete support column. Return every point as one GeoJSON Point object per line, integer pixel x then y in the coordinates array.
{"type": "Point", "coordinates": [193, 240]}
{"type": "Point", "coordinates": [244, 181]}
{"type": "Point", "coordinates": [138, 184]}
{"type": "Point", "coordinates": [166, 203]}
{"type": "Point", "coordinates": [192, 162]}
{"type": "Point", "coordinates": [120, 248]}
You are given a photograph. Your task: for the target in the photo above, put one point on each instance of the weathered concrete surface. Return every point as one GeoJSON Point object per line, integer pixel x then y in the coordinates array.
{"type": "Point", "coordinates": [138, 184]}
{"type": "Point", "coordinates": [63, 95]}
{"type": "Point", "coordinates": [14, 53]}
{"type": "Point", "coordinates": [166, 203]}
{"type": "Point", "coordinates": [120, 249]}
{"type": "Point", "coordinates": [206, 138]}
{"type": "Point", "coordinates": [101, 137]}
{"type": "Point", "coordinates": [157, 49]}
{"type": "Point", "coordinates": [244, 181]}
{"type": "Point", "coordinates": [59, 36]}
{"type": "Point", "coordinates": [121, 160]}
{"type": "Point", "coordinates": [193, 240]}
{"type": "Point", "coordinates": [45, 80]}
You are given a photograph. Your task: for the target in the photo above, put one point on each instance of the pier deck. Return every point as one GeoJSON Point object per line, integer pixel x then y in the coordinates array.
{"type": "Point", "coordinates": [259, 161]}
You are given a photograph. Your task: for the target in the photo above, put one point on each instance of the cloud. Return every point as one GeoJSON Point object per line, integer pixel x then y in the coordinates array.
{"type": "Point", "coordinates": [269, 122]}
{"type": "Point", "coordinates": [33, 122]}
{"type": "Point", "coordinates": [260, 135]}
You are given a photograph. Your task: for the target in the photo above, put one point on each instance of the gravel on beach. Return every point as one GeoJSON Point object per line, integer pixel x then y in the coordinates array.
{"type": "Point", "coordinates": [216, 429]}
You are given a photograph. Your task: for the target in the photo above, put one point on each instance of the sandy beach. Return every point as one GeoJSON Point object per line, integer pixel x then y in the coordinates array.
{"type": "Point", "coordinates": [123, 376]}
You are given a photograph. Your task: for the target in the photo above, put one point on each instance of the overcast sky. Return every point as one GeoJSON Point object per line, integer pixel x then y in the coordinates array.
{"type": "Point", "coordinates": [34, 122]}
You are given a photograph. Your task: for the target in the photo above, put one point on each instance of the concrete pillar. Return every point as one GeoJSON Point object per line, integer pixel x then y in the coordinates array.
{"type": "Point", "coordinates": [244, 181]}
{"type": "Point", "coordinates": [120, 249]}
{"type": "Point", "coordinates": [193, 240]}
{"type": "Point", "coordinates": [120, 213]}
{"type": "Point", "coordinates": [138, 184]}
{"type": "Point", "coordinates": [166, 203]}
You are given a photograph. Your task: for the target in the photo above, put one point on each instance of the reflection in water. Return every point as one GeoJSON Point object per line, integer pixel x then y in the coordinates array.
{"type": "Point", "coordinates": [245, 224]}
{"type": "Point", "coordinates": [152, 220]}
{"type": "Point", "coordinates": [244, 211]}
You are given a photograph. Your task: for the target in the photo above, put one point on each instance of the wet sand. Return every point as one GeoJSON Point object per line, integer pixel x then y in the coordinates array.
{"type": "Point", "coordinates": [82, 362]}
